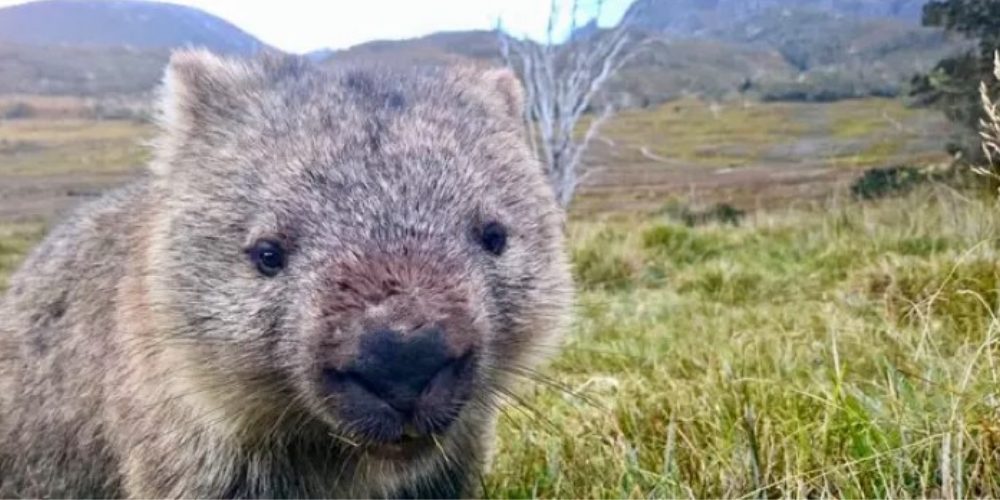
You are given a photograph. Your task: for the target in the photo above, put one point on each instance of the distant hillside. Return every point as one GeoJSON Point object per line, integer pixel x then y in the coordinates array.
{"type": "Point", "coordinates": [696, 17]}
{"type": "Point", "coordinates": [709, 68]}
{"type": "Point", "coordinates": [438, 48]}
{"type": "Point", "coordinates": [120, 23]}
{"type": "Point", "coordinates": [786, 54]}
{"type": "Point", "coordinates": [85, 71]}
{"type": "Point", "coordinates": [813, 50]}
{"type": "Point", "coordinates": [838, 56]}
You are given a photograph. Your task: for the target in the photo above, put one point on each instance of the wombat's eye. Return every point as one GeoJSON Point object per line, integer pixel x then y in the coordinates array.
{"type": "Point", "coordinates": [268, 256]}
{"type": "Point", "coordinates": [494, 238]}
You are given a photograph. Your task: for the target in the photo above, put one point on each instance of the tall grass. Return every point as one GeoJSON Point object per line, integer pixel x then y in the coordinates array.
{"type": "Point", "coordinates": [15, 241]}
{"type": "Point", "coordinates": [846, 351]}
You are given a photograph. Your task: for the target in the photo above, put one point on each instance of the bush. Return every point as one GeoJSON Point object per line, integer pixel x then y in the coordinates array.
{"type": "Point", "coordinates": [827, 88]}
{"type": "Point", "coordinates": [722, 213]}
{"type": "Point", "coordinates": [17, 110]}
{"type": "Point", "coordinates": [881, 182]}
{"type": "Point", "coordinates": [597, 269]}
{"type": "Point", "coordinates": [682, 245]}
{"type": "Point", "coordinates": [604, 260]}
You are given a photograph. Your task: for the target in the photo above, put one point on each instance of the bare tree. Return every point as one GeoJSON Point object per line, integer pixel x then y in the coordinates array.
{"type": "Point", "coordinates": [560, 81]}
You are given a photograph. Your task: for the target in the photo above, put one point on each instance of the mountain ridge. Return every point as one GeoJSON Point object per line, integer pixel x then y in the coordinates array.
{"type": "Point", "coordinates": [121, 23]}
{"type": "Point", "coordinates": [814, 50]}
{"type": "Point", "coordinates": [697, 17]}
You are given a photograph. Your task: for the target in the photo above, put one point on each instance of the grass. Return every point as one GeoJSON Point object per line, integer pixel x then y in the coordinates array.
{"type": "Point", "coordinates": [690, 130]}
{"type": "Point", "coordinates": [15, 241]}
{"type": "Point", "coordinates": [860, 118]}
{"type": "Point", "coordinates": [844, 350]}
{"type": "Point", "coordinates": [857, 133]}
{"type": "Point", "coordinates": [35, 147]}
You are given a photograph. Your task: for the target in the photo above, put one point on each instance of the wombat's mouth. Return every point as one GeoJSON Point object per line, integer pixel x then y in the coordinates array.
{"type": "Point", "coordinates": [405, 448]}
{"type": "Point", "coordinates": [398, 410]}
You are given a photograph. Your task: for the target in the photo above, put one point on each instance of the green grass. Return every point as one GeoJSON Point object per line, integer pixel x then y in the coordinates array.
{"type": "Point", "coordinates": [860, 118]}
{"type": "Point", "coordinates": [845, 351]}
{"type": "Point", "coordinates": [15, 241]}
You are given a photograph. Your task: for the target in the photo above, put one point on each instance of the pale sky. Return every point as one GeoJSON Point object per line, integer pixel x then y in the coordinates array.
{"type": "Point", "coordinates": [305, 25]}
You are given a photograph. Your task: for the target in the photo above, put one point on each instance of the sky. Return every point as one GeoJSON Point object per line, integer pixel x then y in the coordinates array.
{"type": "Point", "coordinates": [306, 25]}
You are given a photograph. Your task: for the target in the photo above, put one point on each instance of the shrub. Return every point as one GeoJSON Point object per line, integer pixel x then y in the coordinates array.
{"type": "Point", "coordinates": [596, 268]}
{"type": "Point", "coordinates": [887, 181]}
{"type": "Point", "coordinates": [682, 245]}
{"type": "Point", "coordinates": [722, 213]}
{"type": "Point", "coordinates": [17, 110]}
{"type": "Point", "coordinates": [604, 260]}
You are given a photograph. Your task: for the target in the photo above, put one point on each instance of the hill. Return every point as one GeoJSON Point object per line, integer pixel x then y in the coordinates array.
{"type": "Point", "coordinates": [121, 23]}
{"type": "Point", "coordinates": [790, 54]}
{"type": "Point", "coordinates": [839, 56]}
{"type": "Point", "coordinates": [814, 50]}
{"type": "Point", "coordinates": [85, 71]}
{"type": "Point", "coordinates": [697, 17]}
{"type": "Point", "coordinates": [437, 48]}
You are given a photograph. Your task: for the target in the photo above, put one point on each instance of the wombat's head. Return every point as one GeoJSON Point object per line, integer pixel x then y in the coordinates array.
{"type": "Point", "coordinates": [377, 250]}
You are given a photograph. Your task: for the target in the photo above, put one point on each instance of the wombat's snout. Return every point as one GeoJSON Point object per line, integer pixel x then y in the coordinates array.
{"type": "Point", "coordinates": [403, 383]}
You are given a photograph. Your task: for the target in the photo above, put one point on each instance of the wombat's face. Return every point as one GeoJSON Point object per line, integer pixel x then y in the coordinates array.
{"type": "Point", "coordinates": [373, 250]}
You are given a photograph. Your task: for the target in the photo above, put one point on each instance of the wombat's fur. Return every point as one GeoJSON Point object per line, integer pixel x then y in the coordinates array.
{"type": "Point", "coordinates": [143, 354]}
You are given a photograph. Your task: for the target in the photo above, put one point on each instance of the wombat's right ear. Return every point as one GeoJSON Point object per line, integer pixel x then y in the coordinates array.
{"type": "Point", "coordinates": [199, 92]}
{"type": "Point", "coordinates": [504, 82]}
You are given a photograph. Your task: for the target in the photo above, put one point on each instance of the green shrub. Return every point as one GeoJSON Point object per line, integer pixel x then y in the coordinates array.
{"type": "Point", "coordinates": [726, 284]}
{"type": "Point", "coordinates": [682, 245]}
{"type": "Point", "coordinates": [605, 259]}
{"type": "Point", "coordinates": [881, 182]}
{"type": "Point", "coordinates": [595, 268]}
{"type": "Point", "coordinates": [722, 213]}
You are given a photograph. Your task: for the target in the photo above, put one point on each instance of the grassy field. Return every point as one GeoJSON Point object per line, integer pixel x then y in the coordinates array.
{"type": "Point", "coordinates": [820, 348]}
{"type": "Point", "coordinates": [746, 154]}
{"type": "Point", "coordinates": [752, 154]}
{"type": "Point", "coordinates": [857, 133]}
{"type": "Point", "coordinates": [39, 147]}
{"type": "Point", "coordinates": [847, 350]}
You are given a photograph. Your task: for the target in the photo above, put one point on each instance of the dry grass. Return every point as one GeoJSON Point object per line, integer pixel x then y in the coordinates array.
{"type": "Point", "coordinates": [34, 147]}
{"type": "Point", "coordinates": [857, 133]}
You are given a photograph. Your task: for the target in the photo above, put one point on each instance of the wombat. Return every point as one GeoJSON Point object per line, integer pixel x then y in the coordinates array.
{"type": "Point", "coordinates": [325, 286]}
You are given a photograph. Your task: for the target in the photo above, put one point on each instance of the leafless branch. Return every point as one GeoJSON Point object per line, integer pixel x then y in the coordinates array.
{"type": "Point", "coordinates": [560, 82]}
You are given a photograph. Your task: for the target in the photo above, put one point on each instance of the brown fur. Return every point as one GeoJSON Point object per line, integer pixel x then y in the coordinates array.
{"type": "Point", "coordinates": [142, 355]}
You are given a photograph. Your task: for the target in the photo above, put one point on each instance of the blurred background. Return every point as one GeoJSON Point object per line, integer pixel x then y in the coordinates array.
{"type": "Point", "coordinates": [782, 216]}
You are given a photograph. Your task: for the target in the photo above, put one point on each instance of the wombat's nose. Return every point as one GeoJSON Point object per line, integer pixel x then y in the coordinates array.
{"type": "Point", "coordinates": [398, 381]}
{"type": "Point", "coordinates": [397, 368]}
